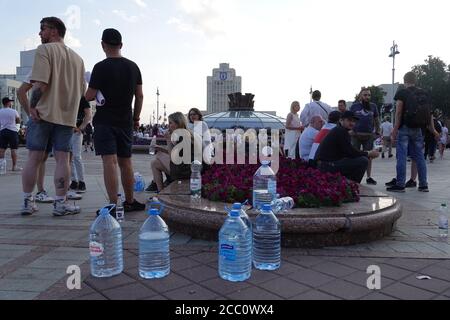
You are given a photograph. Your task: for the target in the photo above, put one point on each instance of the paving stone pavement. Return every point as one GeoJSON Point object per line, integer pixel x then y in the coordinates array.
{"type": "Point", "coordinates": [36, 251]}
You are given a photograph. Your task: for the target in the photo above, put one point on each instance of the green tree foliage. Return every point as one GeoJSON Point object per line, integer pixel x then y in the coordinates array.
{"type": "Point", "coordinates": [434, 76]}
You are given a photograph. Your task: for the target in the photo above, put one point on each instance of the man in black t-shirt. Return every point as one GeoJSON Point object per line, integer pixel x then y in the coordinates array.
{"type": "Point", "coordinates": [337, 154]}
{"type": "Point", "coordinates": [119, 80]}
{"type": "Point", "coordinates": [408, 138]}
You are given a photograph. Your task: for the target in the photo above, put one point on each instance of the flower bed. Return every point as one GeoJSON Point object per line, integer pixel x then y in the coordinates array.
{"type": "Point", "coordinates": [310, 188]}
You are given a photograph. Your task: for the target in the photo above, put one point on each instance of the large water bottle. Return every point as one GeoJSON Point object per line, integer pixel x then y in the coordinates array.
{"type": "Point", "coordinates": [264, 186]}
{"type": "Point", "coordinates": [244, 216]}
{"type": "Point", "coordinates": [235, 249]}
{"type": "Point", "coordinates": [2, 166]}
{"type": "Point", "coordinates": [106, 246]}
{"type": "Point", "coordinates": [266, 240]}
{"type": "Point", "coordinates": [443, 221]}
{"type": "Point", "coordinates": [196, 179]}
{"type": "Point", "coordinates": [154, 248]}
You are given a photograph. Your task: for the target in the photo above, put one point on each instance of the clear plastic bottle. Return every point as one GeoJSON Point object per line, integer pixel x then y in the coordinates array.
{"type": "Point", "coordinates": [154, 247]}
{"type": "Point", "coordinates": [3, 166]}
{"type": "Point", "coordinates": [139, 183]}
{"type": "Point", "coordinates": [196, 179]}
{"type": "Point", "coordinates": [152, 149]}
{"type": "Point", "coordinates": [283, 205]}
{"type": "Point", "coordinates": [266, 240]}
{"type": "Point", "coordinates": [264, 186]}
{"type": "Point", "coordinates": [443, 221]}
{"type": "Point", "coordinates": [235, 249]}
{"type": "Point", "coordinates": [244, 216]}
{"type": "Point", "coordinates": [106, 246]}
{"type": "Point", "coordinates": [120, 210]}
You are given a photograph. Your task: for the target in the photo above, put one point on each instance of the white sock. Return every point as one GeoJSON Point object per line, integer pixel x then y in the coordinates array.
{"type": "Point", "coordinates": [27, 195]}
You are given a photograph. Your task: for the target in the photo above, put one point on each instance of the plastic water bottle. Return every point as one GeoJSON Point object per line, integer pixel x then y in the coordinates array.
{"type": "Point", "coordinates": [196, 179]}
{"type": "Point", "coordinates": [106, 246]}
{"type": "Point", "coordinates": [152, 150]}
{"type": "Point", "coordinates": [264, 186]}
{"type": "Point", "coordinates": [266, 240]}
{"type": "Point", "coordinates": [235, 249]}
{"type": "Point", "coordinates": [154, 248]}
{"type": "Point", "coordinates": [244, 216]}
{"type": "Point", "coordinates": [2, 166]}
{"type": "Point", "coordinates": [283, 205]}
{"type": "Point", "coordinates": [139, 183]}
{"type": "Point", "coordinates": [443, 221]}
{"type": "Point", "coordinates": [120, 210]}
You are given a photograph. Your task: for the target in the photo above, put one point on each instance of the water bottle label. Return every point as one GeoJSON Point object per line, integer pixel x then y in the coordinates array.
{"type": "Point", "coordinates": [196, 185]}
{"type": "Point", "coordinates": [443, 223]}
{"type": "Point", "coordinates": [228, 252]}
{"type": "Point", "coordinates": [96, 249]}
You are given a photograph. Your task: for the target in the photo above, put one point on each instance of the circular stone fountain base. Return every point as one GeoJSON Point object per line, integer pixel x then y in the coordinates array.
{"type": "Point", "coordinates": [372, 218]}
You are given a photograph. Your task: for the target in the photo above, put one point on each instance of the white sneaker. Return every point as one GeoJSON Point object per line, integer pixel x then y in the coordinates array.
{"type": "Point", "coordinates": [72, 195]}
{"type": "Point", "coordinates": [29, 207]}
{"type": "Point", "coordinates": [62, 208]}
{"type": "Point", "coordinates": [43, 197]}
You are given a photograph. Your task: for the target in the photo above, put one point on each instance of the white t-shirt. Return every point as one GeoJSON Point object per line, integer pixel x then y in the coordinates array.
{"type": "Point", "coordinates": [8, 118]}
{"type": "Point", "coordinates": [315, 108]}
{"type": "Point", "coordinates": [306, 142]}
{"type": "Point", "coordinates": [444, 135]}
{"type": "Point", "coordinates": [387, 128]}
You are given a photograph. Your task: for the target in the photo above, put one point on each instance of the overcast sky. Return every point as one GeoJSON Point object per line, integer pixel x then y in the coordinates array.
{"type": "Point", "coordinates": [279, 48]}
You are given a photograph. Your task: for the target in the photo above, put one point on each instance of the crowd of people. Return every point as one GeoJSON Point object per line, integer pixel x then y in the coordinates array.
{"type": "Point", "coordinates": [345, 141]}
{"type": "Point", "coordinates": [61, 123]}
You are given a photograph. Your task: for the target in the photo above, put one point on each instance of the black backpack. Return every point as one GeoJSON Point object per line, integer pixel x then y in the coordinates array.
{"type": "Point", "coordinates": [418, 108]}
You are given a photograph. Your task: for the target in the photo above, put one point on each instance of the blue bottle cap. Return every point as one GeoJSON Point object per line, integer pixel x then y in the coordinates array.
{"type": "Point", "coordinates": [235, 213]}
{"type": "Point", "coordinates": [154, 212]}
{"type": "Point", "coordinates": [267, 207]}
{"type": "Point", "coordinates": [237, 206]}
{"type": "Point", "coordinates": [104, 212]}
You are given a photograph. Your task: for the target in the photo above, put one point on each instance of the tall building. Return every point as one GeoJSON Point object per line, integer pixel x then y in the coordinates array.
{"type": "Point", "coordinates": [26, 64]}
{"type": "Point", "coordinates": [222, 83]}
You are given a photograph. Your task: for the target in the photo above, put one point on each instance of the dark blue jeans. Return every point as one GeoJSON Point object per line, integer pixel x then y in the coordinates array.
{"type": "Point", "coordinates": [413, 138]}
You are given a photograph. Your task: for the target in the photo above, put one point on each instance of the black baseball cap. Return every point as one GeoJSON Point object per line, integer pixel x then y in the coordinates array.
{"type": "Point", "coordinates": [334, 116]}
{"type": "Point", "coordinates": [349, 115]}
{"type": "Point", "coordinates": [5, 100]}
{"type": "Point", "coordinates": [112, 37]}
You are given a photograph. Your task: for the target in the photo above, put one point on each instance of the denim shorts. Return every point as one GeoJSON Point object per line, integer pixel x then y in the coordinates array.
{"type": "Point", "coordinates": [42, 134]}
{"type": "Point", "coordinates": [364, 141]}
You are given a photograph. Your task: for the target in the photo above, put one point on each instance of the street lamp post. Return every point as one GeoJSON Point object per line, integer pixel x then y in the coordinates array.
{"type": "Point", "coordinates": [394, 52]}
{"type": "Point", "coordinates": [157, 106]}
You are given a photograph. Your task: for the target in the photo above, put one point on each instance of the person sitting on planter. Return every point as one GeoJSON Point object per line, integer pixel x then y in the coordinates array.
{"type": "Point", "coordinates": [164, 161]}
{"type": "Point", "coordinates": [336, 153]}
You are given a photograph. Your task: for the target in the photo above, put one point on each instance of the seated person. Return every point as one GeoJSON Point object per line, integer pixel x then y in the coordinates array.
{"type": "Point", "coordinates": [336, 153]}
{"type": "Point", "coordinates": [333, 121]}
{"type": "Point", "coordinates": [163, 163]}
{"type": "Point", "coordinates": [308, 136]}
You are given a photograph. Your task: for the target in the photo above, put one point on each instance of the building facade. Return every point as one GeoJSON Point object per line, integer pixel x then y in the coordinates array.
{"type": "Point", "coordinates": [26, 64]}
{"type": "Point", "coordinates": [222, 83]}
{"type": "Point", "coordinates": [8, 88]}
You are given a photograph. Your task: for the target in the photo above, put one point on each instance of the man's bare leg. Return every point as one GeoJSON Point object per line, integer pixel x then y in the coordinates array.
{"type": "Point", "coordinates": [110, 177]}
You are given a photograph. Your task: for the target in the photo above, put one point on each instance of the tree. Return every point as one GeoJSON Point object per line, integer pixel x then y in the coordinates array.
{"type": "Point", "coordinates": [434, 76]}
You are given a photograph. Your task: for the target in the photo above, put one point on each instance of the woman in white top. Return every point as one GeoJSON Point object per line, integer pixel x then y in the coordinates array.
{"type": "Point", "coordinates": [443, 141]}
{"type": "Point", "coordinates": [202, 129]}
{"type": "Point", "coordinates": [293, 131]}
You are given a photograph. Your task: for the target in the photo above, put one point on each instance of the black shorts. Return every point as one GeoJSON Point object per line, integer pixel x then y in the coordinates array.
{"type": "Point", "coordinates": [113, 141]}
{"type": "Point", "coordinates": [9, 139]}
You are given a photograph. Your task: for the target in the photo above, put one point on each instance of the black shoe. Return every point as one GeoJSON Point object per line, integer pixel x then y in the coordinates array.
{"type": "Point", "coordinates": [74, 186]}
{"type": "Point", "coordinates": [391, 183]}
{"type": "Point", "coordinates": [135, 206]}
{"type": "Point", "coordinates": [371, 181]}
{"type": "Point", "coordinates": [391, 155]}
{"type": "Point", "coordinates": [395, 189]}
{"type": "Point", "coordinates": [152, 187]}
{"type": "Point", "coordinates": [81, 187]}
{"type": "Point", "coordinates": [424, 189]}
{"type": "Point", "coordinates": [382, 156]}
{"type": "Point", "coordinates": [411, 184]}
